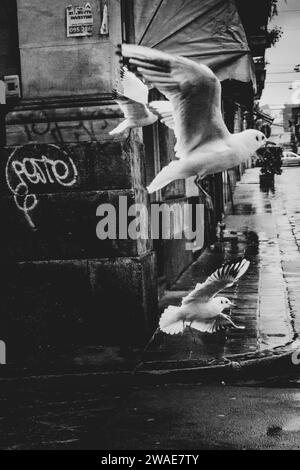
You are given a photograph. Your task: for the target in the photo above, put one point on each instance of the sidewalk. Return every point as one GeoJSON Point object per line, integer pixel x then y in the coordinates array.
{"type": "Point", "coordinates": [265, 227]}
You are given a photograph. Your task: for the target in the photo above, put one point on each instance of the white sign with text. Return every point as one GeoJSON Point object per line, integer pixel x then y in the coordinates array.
{"type": "Point", "coordinates": [79, 21]}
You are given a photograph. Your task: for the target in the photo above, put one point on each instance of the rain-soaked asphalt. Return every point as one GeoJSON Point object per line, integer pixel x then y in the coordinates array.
{"type": "Point", "coordinates": [261, 415]}
{"type": "Point", "coordinates": [172, 417]}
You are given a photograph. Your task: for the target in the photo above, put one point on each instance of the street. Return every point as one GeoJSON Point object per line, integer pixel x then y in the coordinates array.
{"type": "Point", "coordinates": [252, 415]}
{"type": "Point", "coordinates": [171, 417]}
{"type": "Point", "coordinates": [150, 237]}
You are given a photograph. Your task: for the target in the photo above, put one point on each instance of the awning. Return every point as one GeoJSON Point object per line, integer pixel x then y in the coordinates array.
{"type": "Point", "coordinates": [208, 31]}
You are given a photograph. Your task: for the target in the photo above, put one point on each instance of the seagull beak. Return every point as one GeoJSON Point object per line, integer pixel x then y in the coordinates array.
{"type": "Point", "coordinates": [231, 304]}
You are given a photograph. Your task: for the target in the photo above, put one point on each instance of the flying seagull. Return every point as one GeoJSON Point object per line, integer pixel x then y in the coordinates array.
{"type": "Point", "coordinates": [204, 144]}
{"type": "Point", "coordinates": [201, 309]}
{"type": "Point", "coordinates": [134, 105]}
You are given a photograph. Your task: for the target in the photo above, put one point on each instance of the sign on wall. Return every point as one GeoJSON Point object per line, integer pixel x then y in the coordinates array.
{"type": "Point", "coordinates": [79, 21]}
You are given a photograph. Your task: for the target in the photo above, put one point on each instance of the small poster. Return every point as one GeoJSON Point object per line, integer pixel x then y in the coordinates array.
{"type": "Point", "coordinates": [79, 21]}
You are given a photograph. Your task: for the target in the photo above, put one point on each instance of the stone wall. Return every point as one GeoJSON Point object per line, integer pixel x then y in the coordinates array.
{"type": "Point", "coordinates": [62, 285]}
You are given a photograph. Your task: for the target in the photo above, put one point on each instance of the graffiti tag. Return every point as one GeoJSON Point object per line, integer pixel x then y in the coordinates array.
{"type": "Point", "coordinates": [30, 168]}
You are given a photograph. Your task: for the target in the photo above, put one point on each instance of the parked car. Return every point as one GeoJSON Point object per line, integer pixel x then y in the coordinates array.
{"type": "Point", "coordinates": [290, 159]}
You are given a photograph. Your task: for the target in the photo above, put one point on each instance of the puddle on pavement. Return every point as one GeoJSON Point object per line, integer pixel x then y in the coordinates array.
{"type": "Point", "coordinates": [274, 431]}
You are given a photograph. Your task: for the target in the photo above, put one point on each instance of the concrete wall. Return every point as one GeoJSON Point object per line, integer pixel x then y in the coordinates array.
{"type": "Point", "coordinates": [54, 65]}
{"type": "Point", "coordinates": [63, 285]}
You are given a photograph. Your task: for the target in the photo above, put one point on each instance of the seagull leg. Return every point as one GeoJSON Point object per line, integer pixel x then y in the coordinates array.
{"type": "Point", "coordinates": [145, 349]}
{"type": "Point", "coordinates": [224, 323]}
{"type": "Point", "coordinates": [192, 333]}
{"type": "Point", "coordinates": [208, 198]}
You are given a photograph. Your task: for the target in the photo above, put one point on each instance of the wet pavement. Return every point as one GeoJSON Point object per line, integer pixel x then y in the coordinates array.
{"type": "Point", "coordinates": [264, 226]}
{"type": "Point", "coordinates": [156, 418]}
{"type": "Point", "coordinates": [254, 415]}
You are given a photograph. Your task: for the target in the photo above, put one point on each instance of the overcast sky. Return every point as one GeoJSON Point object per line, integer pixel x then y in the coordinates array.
{"type": "Point", "coordinates": [284, 56]}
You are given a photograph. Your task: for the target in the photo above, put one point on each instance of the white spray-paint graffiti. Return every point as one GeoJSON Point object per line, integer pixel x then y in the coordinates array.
{"type": "Point", "coordinates": [31, 166]}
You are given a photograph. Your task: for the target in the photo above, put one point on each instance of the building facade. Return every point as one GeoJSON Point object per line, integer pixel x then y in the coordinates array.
{"type": "Point", "coordinates": [62, 285]}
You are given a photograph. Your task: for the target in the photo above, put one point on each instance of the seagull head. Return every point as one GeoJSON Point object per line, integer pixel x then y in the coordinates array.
{"type": "Point", "coordinates": [223, 304]}
{"type": "Point", "coordinates": [255, 139]}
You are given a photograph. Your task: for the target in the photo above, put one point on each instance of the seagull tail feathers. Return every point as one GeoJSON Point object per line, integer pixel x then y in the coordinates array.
{"type": "Point", "coordinates": [165, 176]}
{"type": "Point", "coordinates": [120, 128]}
{"type": "Point", "coordinates": [169, 321]}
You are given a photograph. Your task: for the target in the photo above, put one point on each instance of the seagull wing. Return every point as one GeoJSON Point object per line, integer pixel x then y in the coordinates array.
{"type": "Point", "coordinates": [130, 108]}
{"type": "Point", "coordinates": [222, 278]}
{"type": "Point", "coordinates": [136, 114]}
{"type": "Point", "coordinates": [164, 111]}
{"type": "Point", "coordinates": [193, 89]}
{"type": "Point", "coordinates": [133, 87]}
{"type": "Point", "coordinates": [221, 323]}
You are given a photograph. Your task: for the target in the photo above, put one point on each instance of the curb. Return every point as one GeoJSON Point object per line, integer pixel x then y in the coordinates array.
{"type": "Point", "coordinates": [251, 366]}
